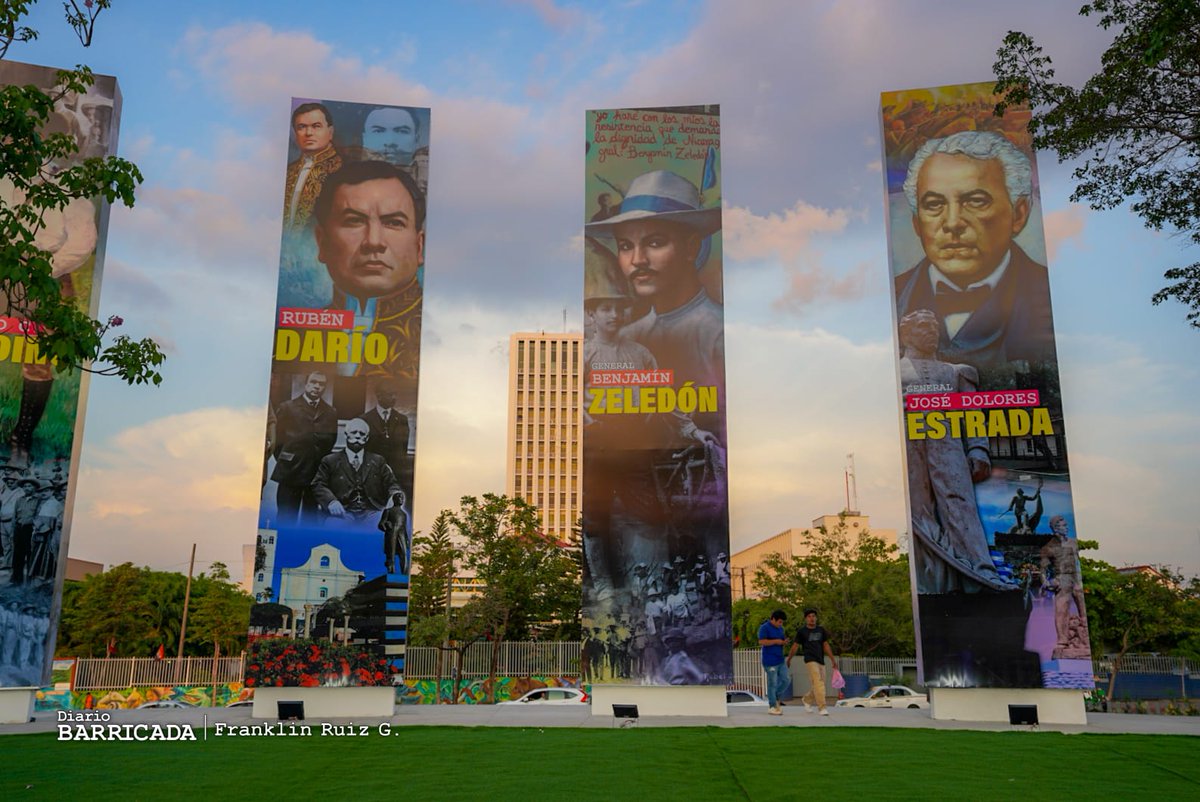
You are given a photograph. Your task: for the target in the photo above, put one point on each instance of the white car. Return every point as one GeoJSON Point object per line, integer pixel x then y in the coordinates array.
{"type": "Point", "coordinates": [551, 696]}
{"type": "Point", "coordinates": [744, 699]}
{"type": "Point", "coordinates": [888, 696]}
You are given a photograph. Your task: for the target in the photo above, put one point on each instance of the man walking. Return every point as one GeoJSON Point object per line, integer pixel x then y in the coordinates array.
{"type": "Point", "coordinates": [814, 640]}
{"type": "Point", "coordinates": [771, 638]}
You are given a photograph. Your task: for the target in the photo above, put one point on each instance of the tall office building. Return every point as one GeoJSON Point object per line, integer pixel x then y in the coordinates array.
{"type": "Point", "coordinates": [545, 456]}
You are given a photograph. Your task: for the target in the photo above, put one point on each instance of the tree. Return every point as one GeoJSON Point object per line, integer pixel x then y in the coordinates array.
{"type": "Point", "coordinates": [435, 560]}
{"type": "Point", "coordinates": [1131, 611]}
{"type": "Point", "coordinates": [1134, 123]}
{"type": "Point", "coordinates": [47, 175]}
{"type": "Point", "coordinates": [108, 608]}
{"type": "Point", "coordinates": [138, 610]}
{"type": "Point", "coordinates": [859, 588]}
{"type": "Point", "coordinates": [221, 617]}
{"type": "Point", "coordinates": [530, 579]}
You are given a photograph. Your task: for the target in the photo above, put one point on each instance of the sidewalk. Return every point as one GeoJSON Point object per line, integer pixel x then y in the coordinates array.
{"type": "Point", "coordinates": [581, 717]}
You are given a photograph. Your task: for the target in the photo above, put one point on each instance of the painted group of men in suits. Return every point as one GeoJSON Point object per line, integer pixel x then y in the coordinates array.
{"type": "Point", "coordinates": [353, 486]}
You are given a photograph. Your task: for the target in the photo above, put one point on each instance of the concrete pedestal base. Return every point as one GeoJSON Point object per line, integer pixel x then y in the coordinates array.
{"type": "Point", "coordinates": [16, 705]}
{"type": "Point", "coordinates": [661, 700]}
{"type": "Point", "coordinates": [322, 703]}
{"type": "Point", "coordinates": [991, 704]}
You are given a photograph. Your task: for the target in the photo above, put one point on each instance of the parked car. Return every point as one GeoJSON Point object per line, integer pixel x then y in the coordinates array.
{"type": "Point", "coordinates": [241, 703]}
{"type": "Point", "coordinates": [161, 704]}
{"type": "Point", "coordinates": [551, 696]}
{"type": "Point", "coordinates": [744, 699]}
{"type": "Point", "coordinates": [888, 696]}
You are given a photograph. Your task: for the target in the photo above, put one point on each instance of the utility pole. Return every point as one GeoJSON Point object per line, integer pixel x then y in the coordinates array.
{"type": "Point", "coordinates": [187, 596]}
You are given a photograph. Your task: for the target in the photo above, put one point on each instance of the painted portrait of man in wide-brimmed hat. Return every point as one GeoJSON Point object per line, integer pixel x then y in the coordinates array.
{"type": "Point", "coordinates": [658, 237]}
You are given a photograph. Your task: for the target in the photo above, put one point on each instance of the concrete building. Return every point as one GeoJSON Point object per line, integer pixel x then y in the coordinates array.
{"type": "Point", "coordinates": [545, 457]}
{"type": "Point", "coordinates": [78, 570]}
{"type": "Point", "coordinates": [792, 543]}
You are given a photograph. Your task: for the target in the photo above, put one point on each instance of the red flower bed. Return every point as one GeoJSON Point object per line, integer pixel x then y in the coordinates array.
{"type": "Point", "coordinates": [311, 664]}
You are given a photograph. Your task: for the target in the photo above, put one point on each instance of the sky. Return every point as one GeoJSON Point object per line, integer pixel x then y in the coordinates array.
{"type": "Point", "coordinates": [809, 334]}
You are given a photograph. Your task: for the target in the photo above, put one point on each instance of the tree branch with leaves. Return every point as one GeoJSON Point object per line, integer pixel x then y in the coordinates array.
{"type": "Point", "coordinates": [43, 178]}
{"type": "Point", "coordinates": [1135, 124]}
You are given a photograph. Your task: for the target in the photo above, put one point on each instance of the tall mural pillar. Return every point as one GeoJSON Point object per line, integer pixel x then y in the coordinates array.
{"type": "Point", "coordinates": [335, 523]}
{"type": "Point", "coordinates": [656, 596]}
{"type": "Point", "coordinates": [997, 595]}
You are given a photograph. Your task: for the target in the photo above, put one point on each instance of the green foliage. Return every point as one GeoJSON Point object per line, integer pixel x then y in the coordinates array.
{"type": "Point", "coordinates": [140, 609]}
{"type": "Point", "coordinates": [435, 561]}
{"type": "Point", "coordinates": [531, 579]}
{"type": "Point", "coordinates": [1134, 123]}
{"type": "Point", "coordinates": [1139, 612]}
{"type": "Point", "coordinates": [860, 588]}
{"type": "Point", "coordinates": [748, 615]}
{"type": "Point", "coordinates": [220, 616]}
{"type": "Point", "coordinates": [45, 170]}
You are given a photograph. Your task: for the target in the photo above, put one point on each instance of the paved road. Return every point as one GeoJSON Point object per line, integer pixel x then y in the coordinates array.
{"type": "Point", "coordinates": [581, 716]}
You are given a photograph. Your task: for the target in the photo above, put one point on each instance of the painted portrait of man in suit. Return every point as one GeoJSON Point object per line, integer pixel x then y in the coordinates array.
{"type": "Point", "coordinates": [971, 195]}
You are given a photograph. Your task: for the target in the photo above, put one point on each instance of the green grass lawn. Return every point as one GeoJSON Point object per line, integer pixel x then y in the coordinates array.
{"type": "Point", "coordinates": [419, 763]}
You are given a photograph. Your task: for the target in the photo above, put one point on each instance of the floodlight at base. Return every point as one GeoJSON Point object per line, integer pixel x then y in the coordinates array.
{"type": "Point", "coordinates": [625, 715]}
{"type": "Point", "coordinates": [1022, 714]}
{"type": "Point", "coordinates": [291, 710]}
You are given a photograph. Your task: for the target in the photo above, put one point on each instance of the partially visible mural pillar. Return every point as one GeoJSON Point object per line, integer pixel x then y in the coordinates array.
{"type": "Point", "coordinates": [41, 409]}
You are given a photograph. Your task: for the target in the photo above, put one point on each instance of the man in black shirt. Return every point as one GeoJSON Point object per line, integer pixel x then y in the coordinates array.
{"type": "Point", "coordinates": [814, 640]}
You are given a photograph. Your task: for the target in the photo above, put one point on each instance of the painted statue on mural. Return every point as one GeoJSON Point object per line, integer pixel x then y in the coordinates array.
{"type": "Point", "coordinates": [950, 547]}
{"type": "Point", "coordinates": [394, 525]}
{"type": "Point", "coordinates": [1060, 564]}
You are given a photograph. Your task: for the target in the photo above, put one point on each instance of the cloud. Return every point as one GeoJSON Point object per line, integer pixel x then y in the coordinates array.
{"type": "Point", "coordinates": [552, 14]}
{"type": "Point", "coordinates": [206, 226]}
{"type": "Point", "coordinates": [288, 64]}
{"type": "Point", "coordinates": [190, 477]}
{"type": "Point", "coordinates": [796, 115]}
{"type": "Point", "coordinates": [1063, 226]}
{"type": "Point", "coordinates": [798, 403]}
{"type": "Point", "coordinates": [1133, 435]}
{"type": "Point", "coordinates": [779, 236]}
{"type": "Point", "coordinates": [132, 285]}
{"type": "Point", "coordinates": [786, 239]}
